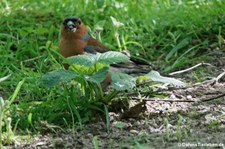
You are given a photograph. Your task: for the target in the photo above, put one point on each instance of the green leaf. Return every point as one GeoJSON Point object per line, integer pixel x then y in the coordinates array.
{"type": "Point", "coordinates": [15, 93]}
{"type": "Point", "coordinates": [120, 124]}
{"type": "Point", "coordinates": [112, 57]}
{"type": "Point", "coordinates": [182, 60]}
{"type": "Point", "coordinates": [95, 142]}
{"type": "Point", "coordinates": [107, 117]}
{"type": "Point", "coordinates": [84, 60]}
{"type": "Point", "coordinates": [99, 26]}
{"type": "Point", "coordinates": [52, 78]}
{"type": "Point", "coordinates": [155, 76]}
{"type": "Point", "coordinates": [214, 123]}
{"type": "Point", "coordinates": [116, 23]}
{"type": "Point", "coordinates": [122, 81]}
{"type": "Point", "coordinates": [5, 78]}
{"type": "Point", "coordinates": [100, 3]}
{"type": "Point", "coordinates": [29, 118]}
{"type": "Point", "coordinates": [99, 76]}
{"type": "Point", "coordinates": [180, 45]}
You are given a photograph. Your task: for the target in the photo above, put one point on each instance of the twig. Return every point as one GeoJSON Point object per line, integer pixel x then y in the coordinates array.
{"type": "Point", "coordinates": [191, 68]}
{"type": "Point", "coordinates": [144, 93]}
{"type": "Point", "coordinates": [165, 100]}
{"type": "Point", "coordinates": [212, 98]}
{"type": "Point", "coordinates": [213, 80]}
{"type": "Point", "coordinates": [158, 90]}
{"type": "Point", "coordinates": [182, 100]}
{"type": "Point", "coordinates": [220, 76]}
{"type": "Point", "coordinates": [32, 59]}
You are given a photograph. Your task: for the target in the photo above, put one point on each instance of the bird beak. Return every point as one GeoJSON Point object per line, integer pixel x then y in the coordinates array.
{"type": "Point", "coordinates": [71, 26]}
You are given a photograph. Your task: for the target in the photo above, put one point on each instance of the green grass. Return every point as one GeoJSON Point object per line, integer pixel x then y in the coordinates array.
{"type": "Point", "coordinates": [170, 31]}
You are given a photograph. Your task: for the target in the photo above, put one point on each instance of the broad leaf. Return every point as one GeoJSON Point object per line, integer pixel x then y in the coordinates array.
{"type": "Point", "coordinates": [116, 23]}
{"type": "Point", "coordinates": [112, 57]}
{"type": "Point", "coordinates": [100, 4]}
{"type": "Point", "coordinates": [99, 26]}
{"type": "Point", "coordinates": [84, 60]}
{"type": "Point", "coordinates": [155, 76]}
{"type": "Point", "coordinates": [99, 76]}
{"type": "Point", "coordinates": [122, 81]}
{"type": "Point", "coordinates": [52, 78]}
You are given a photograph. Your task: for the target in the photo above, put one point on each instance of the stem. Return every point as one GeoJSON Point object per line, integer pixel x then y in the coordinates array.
{"type": "Point", "coordinates": [124, 43]}
{"type": "Point", "coordinates": [99, 36]}
{"type": "Point", "coordinates": [118, 40]}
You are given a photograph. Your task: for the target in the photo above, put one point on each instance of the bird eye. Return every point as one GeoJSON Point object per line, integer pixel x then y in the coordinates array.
{"type": "Point", "coordinates": [78, 22]}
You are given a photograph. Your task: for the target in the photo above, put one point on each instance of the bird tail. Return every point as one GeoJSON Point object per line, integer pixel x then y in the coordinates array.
{"type": "Point", "coordinates": [130, 68]}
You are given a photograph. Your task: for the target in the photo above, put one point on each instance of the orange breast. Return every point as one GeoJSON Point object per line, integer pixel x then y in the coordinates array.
{"type": "Point", "coordinates": [72, 47]}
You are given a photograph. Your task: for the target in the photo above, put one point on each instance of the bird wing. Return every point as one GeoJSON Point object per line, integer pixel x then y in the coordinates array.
{"type": "Point", "coordinates": [93, 47]}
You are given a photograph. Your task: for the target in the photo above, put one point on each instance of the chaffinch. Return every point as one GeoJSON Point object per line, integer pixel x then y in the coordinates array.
{"type": "Point", "coordinates": [75, 40]}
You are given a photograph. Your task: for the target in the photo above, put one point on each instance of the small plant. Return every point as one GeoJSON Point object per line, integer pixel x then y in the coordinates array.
{"type": "Point", "coordinates": [86, 73]}
{"type": "Point", "coordinates": [5, 117]}
{"type": "Point", "coordinates": [168, 131]}
{"type": "Point", "coordinates": [89, 71]}
{"type": "Point", "coordinates": [178, 128]}
{"type": "Point", "coordinates": [117, 25]}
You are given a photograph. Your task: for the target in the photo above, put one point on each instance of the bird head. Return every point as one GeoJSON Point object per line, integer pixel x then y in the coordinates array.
{"type": "Point", "coordinates": [72, 24]}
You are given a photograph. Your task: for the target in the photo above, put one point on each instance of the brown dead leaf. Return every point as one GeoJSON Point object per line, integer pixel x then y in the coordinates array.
{"type": "Point", "coordinates": [135, 111]}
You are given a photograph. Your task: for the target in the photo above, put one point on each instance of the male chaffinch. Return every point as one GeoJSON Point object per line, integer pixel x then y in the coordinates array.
{"type": "Point", "coordinates": [75, 40]}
